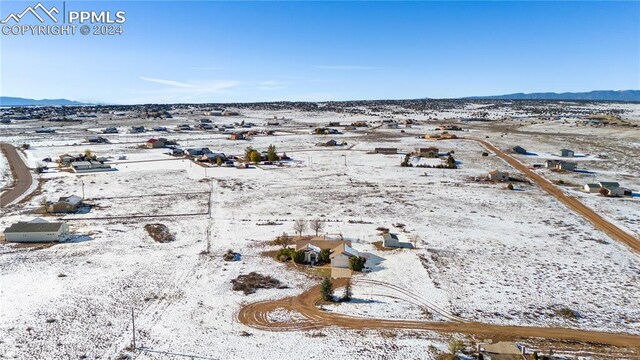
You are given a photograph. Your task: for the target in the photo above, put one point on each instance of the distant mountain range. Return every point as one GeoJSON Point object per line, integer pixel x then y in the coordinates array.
{"type": "Point", "coordinates": [597, 95]}
{"type": "Point", "coordinates": [16, 101]}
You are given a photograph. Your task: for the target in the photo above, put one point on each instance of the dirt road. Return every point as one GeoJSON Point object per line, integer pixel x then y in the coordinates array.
{"type": "Point", "coordinates": [572, 203]}
{"type": "Point", "coordinates": [256, 315]}
{"type": "Point", "coordinates": [22, 175]}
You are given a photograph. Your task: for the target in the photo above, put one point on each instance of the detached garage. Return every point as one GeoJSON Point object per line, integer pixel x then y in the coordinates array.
{"type": "Point", "coordinates": [34, 231]}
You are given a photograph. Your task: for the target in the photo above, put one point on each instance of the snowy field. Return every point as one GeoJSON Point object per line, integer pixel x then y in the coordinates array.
{"type": "Point", "coordinates": [484, 253]}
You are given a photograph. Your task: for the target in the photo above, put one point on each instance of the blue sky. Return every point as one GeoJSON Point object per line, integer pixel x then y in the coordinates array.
{"type": "Point", "coordinates": [264, 51]}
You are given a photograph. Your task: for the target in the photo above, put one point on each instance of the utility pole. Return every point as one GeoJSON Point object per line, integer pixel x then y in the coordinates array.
{"type": "Point", "coordinates": [133, 321]}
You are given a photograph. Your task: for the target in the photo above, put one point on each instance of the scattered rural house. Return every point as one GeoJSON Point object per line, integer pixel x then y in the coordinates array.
{"type": "Point", "coordinates": [566, 153]}
{"type": "Point", "coordinates": [560, 165]}
{"type": "Point", "coordinates": [160, 128]}
{"type": "Point", "coordinates": [496, 175]}
{"type": "Point", "coordinates": [177, 152]}
{"type": "Point", "coordinates": [45, 131]}
{"type": "Point", "coordinates": [5, 121]}
{"type": "Point", "coordinates": [613, 189]}
{"type": "Point", "coordinates": [430, 152]}
{"type": "Point", "coordinates": [237, 136]}
{"type": "Point", "coordinates": [301, 244]}
{"type": "Point", "coordinates": [387, 151]}
{"type": "Point", "coordinates": [37, 230]}
{"type": "Point", "coordinates": [154, 144]}
{"type": "Point", "coordinates": [97, 140]}
{"type": "Point", "coordinates": [137, 129]}
{"type": "Point", "coordinates": [592, 188]}
{"type": "Point", "coordinates": [567, 166]}
{"type": "Point", "coordinates": [212, 157]}
{"type": "Point", "coordinates": [501, 349]}
{"type": "Point", "coordinates": [443, 136]}
{"type": "Point", "coordinates": [197, 151]}
{"type": "Point", "coordinates": [341, 254]}
{"type": "Point", "coordinates": [449, 128]}
{"type": "Point", "coordinates": [205, 126]}
{"type": "Point", "coordinates": [205, 121]}
{"type": "Point", "coordinates": [326, 131]}
{"type": "Point", "coordinates": [65, 204]}
{"type": "Point", "coordinates": [331, 142]}
{"type": "Point", "coordinates": [90, 166]}
{"type": "Point", "coordinates": [110, 130]}
{"type": "Point", "coordinates": [392, 240]}
{"type": "Point", "coordinates": [519, 150]}
{"type": "Point", "coordinates": [184, 127]}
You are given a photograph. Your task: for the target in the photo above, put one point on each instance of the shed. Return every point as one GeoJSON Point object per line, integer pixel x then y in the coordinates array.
{"type": "Point", "coordinates": [566, 153]}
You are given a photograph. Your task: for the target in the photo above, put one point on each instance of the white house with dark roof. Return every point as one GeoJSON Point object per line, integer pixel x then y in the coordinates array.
{"type": "Point", "coordinates": [36, 230]}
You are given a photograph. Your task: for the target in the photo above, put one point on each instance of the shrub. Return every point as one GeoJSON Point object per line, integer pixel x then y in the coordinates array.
{"type": "Point", "coordinates": [253, 281]}
{"type": "Point", "coordinates": [326, 289]}
{"type": "Point", "coordinates": [325, 256]}
{"type": "Point", "coordinates": [356, 263]}
{"type": "Point", "coordinates": [298, 257]}
{"type": "Point", "coordinates": [286, 254]}
{"type": "Point", "coordinates": [510, 186]}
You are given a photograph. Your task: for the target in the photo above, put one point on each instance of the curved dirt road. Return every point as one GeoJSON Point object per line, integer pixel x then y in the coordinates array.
{"type": "Point", "coordinates": [22, 181]}
{"type": "Point", "coordinates": [572, 203]}
{"type": "Point", "coordinates": [256, 315]}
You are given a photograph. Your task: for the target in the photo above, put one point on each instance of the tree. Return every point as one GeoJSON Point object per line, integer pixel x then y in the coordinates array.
{"type": "Point", "coordinates": [255, 157]}
{"type": "Point", "coordinates": [272, 155]}
{"type": "Point", "coordinates": [219, 161]}
{"type": "Point", "coordinates": [455, 346]}
{"type": "Point", "coordinates": [451, 162]}
{"type": "Point", "coordinates": [88, 154]}
{"type": "Point", "coordinates": [316, 225]}
{"type": "Point", "coordinates": [346, 296]}
{"type": "Point", "coordinates": [283, 240]}
{"type": "Point", "coordinates": [298, 257]}
{"type": "Point", "coordinates": [510, 186]}
{"type": "Point", "coordinates": [405, 162]}
{"type": "Point", "coordinates": [300, 226]}
{"type": "Point", "coordinates": [326, 289]}
{"type": "Point", "coordinates": [534, 356]}
{"type": "Point", "coordinates": [325, 256]}
{"type": "Point", "coordinates": [247, 152]}
{"type": "Point", "coordinates": [356, 263]}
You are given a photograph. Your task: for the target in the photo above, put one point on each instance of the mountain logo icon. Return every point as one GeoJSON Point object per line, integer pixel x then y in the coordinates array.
{"type": "Point", "coordinates": [34, 11]}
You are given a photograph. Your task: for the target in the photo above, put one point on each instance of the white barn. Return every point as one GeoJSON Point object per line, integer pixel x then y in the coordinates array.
{"type": "Point", "coordinates": [34, 231]}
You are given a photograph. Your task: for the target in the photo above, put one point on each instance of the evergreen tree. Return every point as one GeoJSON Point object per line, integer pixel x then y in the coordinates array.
{"type": "Point", "coordinates": [272, 155]}
{"type": "Point", "coordinates": [326, 289]}
{"type": "Point", "coordinates": [347, 291]}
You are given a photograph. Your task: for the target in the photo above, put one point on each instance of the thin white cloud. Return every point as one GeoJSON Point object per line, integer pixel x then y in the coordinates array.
{"type": "Point", "coordinates": [270, 85]}
{"type": "Point", "coordinates": [168, 82]}
{"type": "Point", "coordinates": [347, 67]}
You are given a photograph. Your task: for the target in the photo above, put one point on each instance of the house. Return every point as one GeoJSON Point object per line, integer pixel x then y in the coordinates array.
{"type": "Point", "coordinates": [519, 150]}
{"type": "Point", "coordinates": [319, 243]}
{"type": "Point", "coordinates": [611, 189]}
{"type": "Point", "coordinates": [566, 153]}
{"type": "Point", "coordinates": [237, 136]}
{"type": "Point", "coordinates": [212, 157]}
{"type": "Point", "coordinates": [311, 254]}
{"type": "Point", "coordinates": [565, 165]}
{"type": "Point", "coordinates": [177, 152]}
{"type": "Point", "coordinates": [430, 152]}
{"type": "Point", "coordinates": [387, 151]}
{"type": "Point", "coordinates": [90, 166]}
{"type": "Point", "coordinates": [197, 151]}
{"type": "Point", "coordinates": [592, 188]}
{"type": "Point", "coordinates": [97, 140]}
{"type": "Point", "coordinates": [45, 131]}
{"type": "Point", "coordinates": [341, 254]}
{"type": "Point", "coordinates": [67, 159]}
{"type": "Point", "coordinates": [432, 136]}
{"type": "Point", "coordinates": [154, 144]}
{"type": "Point", "coordinates": [551, 164]}
{"type": "Point", "coordinates": [184, 127]}
{"type": "Point", "coordinates": [449, 128]}
{"type": "Point", "coordinates": [331, 142]}
{"type": "Point", "coordinates": [110, 130]}
{"type": "Point", "coordinates": [137, 129]}
{"type": "Point", "coordinates": [37, 230]}
{"type": "Point", "coordinates": [392, 240]}
{"type": "Point", "coordinates": [160, 128]}
{"type": "Point", "coordinates": [497, 175]}
{"type": "Point", "coordinates": [65, 204]}
{"type": "Point", "coordinates": [446, 136]}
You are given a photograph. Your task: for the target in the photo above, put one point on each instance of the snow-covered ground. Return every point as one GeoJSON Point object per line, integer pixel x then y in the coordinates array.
{"type": "Point", "coordinates": [484, 253]}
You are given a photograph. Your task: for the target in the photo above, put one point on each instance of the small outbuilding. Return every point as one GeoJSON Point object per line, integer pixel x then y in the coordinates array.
{"type": "Point", "coordinates": [566, 153]}
{"type": "Point", "coordinates": [65, 204]}
{"type": "Point", "coordinates": [496, 175]}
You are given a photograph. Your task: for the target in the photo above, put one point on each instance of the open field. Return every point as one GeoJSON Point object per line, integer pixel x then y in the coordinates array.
{"type": "Point", "coordinates": [485, 254]}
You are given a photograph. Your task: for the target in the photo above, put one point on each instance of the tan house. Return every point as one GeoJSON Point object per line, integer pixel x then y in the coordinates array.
{"type": "Point", "coordinates": [65, 204]}
{"type": "Point", "coordinates": [341, 254]}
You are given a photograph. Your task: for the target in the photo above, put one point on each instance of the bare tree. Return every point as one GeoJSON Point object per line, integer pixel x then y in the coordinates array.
{"type": "Point", "coordinates": [284, 240]}
{"type": "Point", "coordinates": [300, 226]}
{"type": "Point", "coordinates": [316, 225]}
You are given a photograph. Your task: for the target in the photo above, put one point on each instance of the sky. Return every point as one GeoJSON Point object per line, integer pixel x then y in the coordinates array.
{"type": "Point", "coordinates": [205, 51]}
